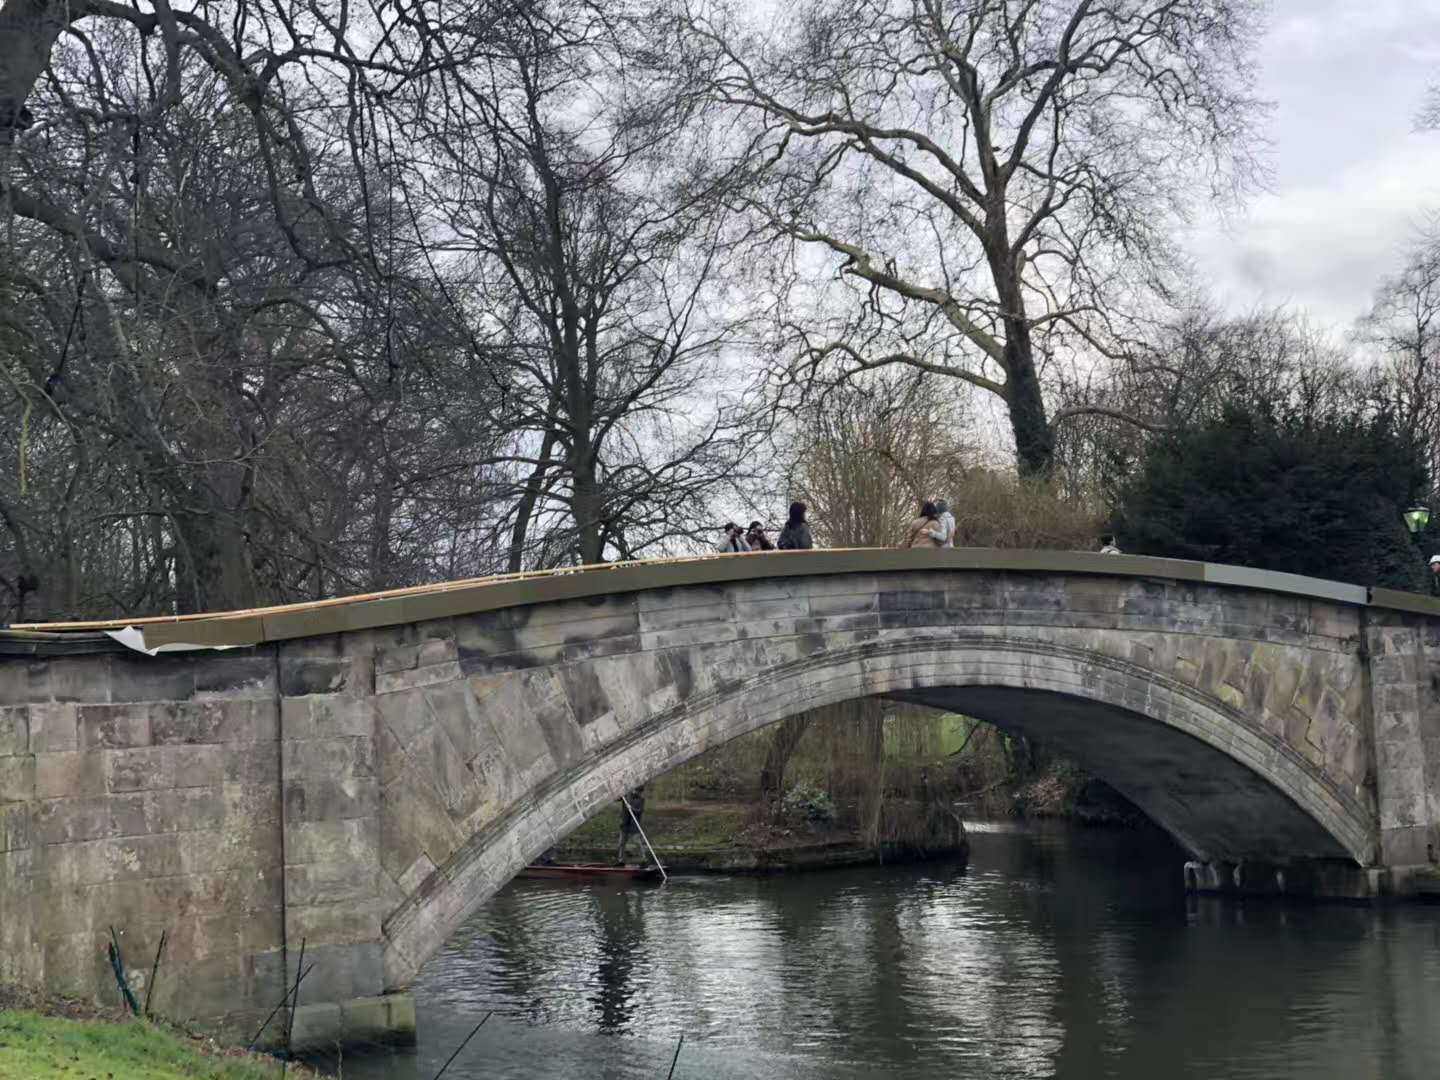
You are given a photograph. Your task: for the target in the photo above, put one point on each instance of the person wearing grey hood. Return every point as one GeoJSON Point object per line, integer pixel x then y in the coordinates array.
{"type": "Point", "coordinates": [947, 523]}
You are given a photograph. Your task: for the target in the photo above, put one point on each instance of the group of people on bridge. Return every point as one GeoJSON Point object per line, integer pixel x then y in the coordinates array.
{"type": "Point", "coordinates": [934, 526]}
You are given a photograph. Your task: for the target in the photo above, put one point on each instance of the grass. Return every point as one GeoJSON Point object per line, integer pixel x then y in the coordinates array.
{"type": "Point", "coordinates": [37, 1047]}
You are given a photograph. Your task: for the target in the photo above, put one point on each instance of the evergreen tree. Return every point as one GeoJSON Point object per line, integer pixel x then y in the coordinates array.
{"type": "Point", "coordinates": [1278, 487]}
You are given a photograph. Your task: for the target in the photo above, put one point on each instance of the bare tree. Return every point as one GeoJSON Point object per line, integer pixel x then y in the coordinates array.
{"type": "Point", "coordinates": [1404, 326]}
{"type": "Point", "coordinates": [240, 379]}
{"type": "Point", "coordinates": [996, 181]}
{"type": "Point", "coordinates": [1194, 366]}
{"type": "Point", "coordinates": [574, 205]}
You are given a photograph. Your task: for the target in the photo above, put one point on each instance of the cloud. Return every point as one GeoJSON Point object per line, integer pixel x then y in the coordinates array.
{"type": "Point", "coordinates": [1352, 177]}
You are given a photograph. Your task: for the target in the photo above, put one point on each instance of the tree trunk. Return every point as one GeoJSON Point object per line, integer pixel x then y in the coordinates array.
{"type": "Point", "coordinates": [585, 508]}
{"type": "Point", "coordinates": [784, 739]}
{"type": "Point", "coordinates": [526, 508]}
{"type": "Point", "coordinates": [223, 577]}
{"type": "Point", "coordinates": [1034, 439]}
{"type": "Point", "coordinates": [28, 32]}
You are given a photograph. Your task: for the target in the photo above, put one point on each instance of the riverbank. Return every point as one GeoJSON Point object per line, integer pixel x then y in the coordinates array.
{"type": "Point", "coordinates": [59, 1039]}
{"type": "Point", "coordinates": [718, 835]}
{"type": "Point", "coordinates": [705, 836]}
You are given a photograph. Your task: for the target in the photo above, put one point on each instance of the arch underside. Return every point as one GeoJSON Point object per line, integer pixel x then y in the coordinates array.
{"type": "Point", "coordinates": [1171, 749]}
{"type": "Point", "coordinates": [1212, 804]}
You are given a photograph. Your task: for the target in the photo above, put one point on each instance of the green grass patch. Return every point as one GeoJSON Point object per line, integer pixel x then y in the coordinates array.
{"type": "Point", "coordinates": [36, 1047]}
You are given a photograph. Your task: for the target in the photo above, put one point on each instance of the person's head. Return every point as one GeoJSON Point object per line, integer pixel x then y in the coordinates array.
{"type": "Point", "coordinates": [1435, 564]}
{"type": "Point", "coordinates": [797, 513]}
{"type": "Point", "coordinates": [731, 528]}
{"type": "Point", "coordinates": [927, 510]}
{"type": "Point", "coordinates": [756, 527]}
{"type": "Point", "coordinates": [941, 506]}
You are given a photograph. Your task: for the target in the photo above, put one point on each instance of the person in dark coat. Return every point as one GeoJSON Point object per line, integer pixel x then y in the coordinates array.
{"type": "Point", "coordinates": [796, 534]}
{"type": "Point", "coordinates": [630, 820]}
{"type": "Point", "coordinates": [757, 539]}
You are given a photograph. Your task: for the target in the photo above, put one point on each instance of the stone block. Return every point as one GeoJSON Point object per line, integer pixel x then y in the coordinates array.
{"type": "Point", "coordinates": [197, 722]}
{"type": "Point", "coordinates": [351, 923]}
{"type": "Point", "coordinates": [108, 727]}
{"type": "Point", "coordinates": [69, 773]}
{"type": "Point", "coordinates": [321, 646]}
{"type": "Point", "coordinates": [327, 716]}
{"type": "Point", "coordinates": [315, 1027]}
{"type": "Point", "coordinates": [341, 972]}
{"type": "Point", "coordinates": [24, 682]}
{"type": "Point", "coordinates": [82, 679]}
{"type": "Point", "coordinates": [16, 829]}
{"type": "Point", "coordinates": [64, 821]}
{"type": "Point", "coordinates": [330, 883]}
{"type": "Point", "coordinates": [312, 675]}
{"type": "Point", "coordinates": [138, 769]}
{"type": "Point", "coordinates": [183, 809]}
{"type": "Point", "coordinates": [414, 820]}
{"type": "Point", "coordinates": [197, 765]}
{"type": "Point", "coordinates": [53, 727]}
{"type": "Point", "coordinates": [253, 765]}
{"type": "Point", "coordinates": [151, 678]}
{"type": "Point", "coordinates": [327, 798]}
{"type": "Point", "coordinates": [14, 730]}
{"type": "Point", "coordinates": [232, 675]}
{"type": "Point", "coordinates": [404, 714]}
{"type": "Point", "coordinates": [17, 779]}
{"type": "Point", "coordinates": [335, 757]}
{"type": "Point", "coordinates": [413, 678]}
{"type": "Point", "coordinates": [254, 720]}
{"type": "Point", "coordinates": [396, 658]}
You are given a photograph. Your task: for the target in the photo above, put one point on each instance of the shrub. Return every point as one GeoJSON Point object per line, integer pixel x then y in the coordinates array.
{"type": "Point", "coordinates": [810, 803]}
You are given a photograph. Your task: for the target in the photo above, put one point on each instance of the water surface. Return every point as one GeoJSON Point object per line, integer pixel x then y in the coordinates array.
{"type": "Point", "coordinates": [1057, 952]}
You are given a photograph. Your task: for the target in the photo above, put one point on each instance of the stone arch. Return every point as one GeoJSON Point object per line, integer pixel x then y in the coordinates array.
{"type": "Point", "coordinates": [1209, 774]}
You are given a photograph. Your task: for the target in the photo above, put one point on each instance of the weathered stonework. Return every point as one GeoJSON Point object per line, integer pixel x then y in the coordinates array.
{"type": "Point", "coordinates": [365, 791]}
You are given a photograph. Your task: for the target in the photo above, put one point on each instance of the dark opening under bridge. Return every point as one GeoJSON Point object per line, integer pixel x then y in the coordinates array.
{"type": "Point", "coordinates": [362, 774]}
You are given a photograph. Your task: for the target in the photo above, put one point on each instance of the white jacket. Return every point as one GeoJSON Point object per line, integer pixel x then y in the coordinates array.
{"type": "Point", "coordinates": [947, 529]}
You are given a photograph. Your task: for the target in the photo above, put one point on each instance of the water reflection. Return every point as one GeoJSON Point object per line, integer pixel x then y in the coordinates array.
{"type": "Point", "coordinates": [620, 933]}
{"type": "Point", "coordinates": [1070, 954]}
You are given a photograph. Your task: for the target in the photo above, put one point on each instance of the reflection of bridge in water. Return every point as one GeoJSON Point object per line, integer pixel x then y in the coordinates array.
{"type": "Point", "coordinates": [360, 775]}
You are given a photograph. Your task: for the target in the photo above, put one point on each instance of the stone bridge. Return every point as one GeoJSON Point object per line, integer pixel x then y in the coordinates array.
{"type": "Point", "coordinates": [355, 778]}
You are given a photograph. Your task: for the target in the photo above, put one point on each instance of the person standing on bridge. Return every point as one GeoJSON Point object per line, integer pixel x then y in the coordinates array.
{"type": "Point", "coordinates": [757, 539]}
{"type": "Point", "coordinates": [630, 816]}
{"type": "Point", "coordinates": [734, 540]}
{"type": "Point", "coordinates": [947, 523]}
{"type": "Point", "coordinates": [796, 534]}
{"type": "Point", "coordinates": [1435, 575]}
{"type": "Point", "coordinates": [924, 531]}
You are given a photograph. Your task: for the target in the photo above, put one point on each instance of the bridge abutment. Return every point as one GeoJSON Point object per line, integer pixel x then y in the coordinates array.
{"type": "Point", "coordinates": [214, 799]}
{"type": "Point", "coordinates": [1403, 668]}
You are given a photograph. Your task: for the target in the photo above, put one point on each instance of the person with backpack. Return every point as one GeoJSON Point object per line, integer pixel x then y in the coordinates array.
{"type": "Point", "coordinates": [924, 531]}
{"type": "Point", "coordinates": [796, 534]}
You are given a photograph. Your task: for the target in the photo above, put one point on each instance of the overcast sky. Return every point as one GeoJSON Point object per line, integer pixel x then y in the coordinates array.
{"type": "Point", "coordinates": [1351, 176]}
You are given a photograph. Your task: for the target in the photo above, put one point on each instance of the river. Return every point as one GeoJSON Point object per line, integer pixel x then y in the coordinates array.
{"type": "Point", "coordinates": [1058, 952]}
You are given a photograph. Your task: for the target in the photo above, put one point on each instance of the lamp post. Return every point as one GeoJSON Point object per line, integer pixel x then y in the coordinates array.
{"type": "Point", "coordinates": [1416, 518]}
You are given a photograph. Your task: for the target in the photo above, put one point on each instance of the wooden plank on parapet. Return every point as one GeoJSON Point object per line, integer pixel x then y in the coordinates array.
{"type": "Point", "coordinates": [452, 598]}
